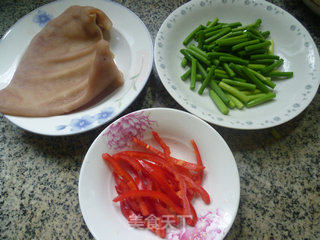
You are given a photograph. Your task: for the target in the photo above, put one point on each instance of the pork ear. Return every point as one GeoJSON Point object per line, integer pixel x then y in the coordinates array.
{"type": "Point", "coordinates": [100, 19]}
{"type": "Point", "coordinates": [66, 65]}
{"type": "Point", "coordinates": [104, 68]}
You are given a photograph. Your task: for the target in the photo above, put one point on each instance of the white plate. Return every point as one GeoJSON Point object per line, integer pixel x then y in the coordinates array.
{"type": "Point", "coordinates": [292, 43]}
{"type": "Point", "coordinates": [130, 42]}
{"type": "Point", "coordinates": [96, 185]}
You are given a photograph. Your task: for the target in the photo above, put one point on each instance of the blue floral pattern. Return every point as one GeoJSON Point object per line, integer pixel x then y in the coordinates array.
{"type": "Point", "coordinates": [104, 115]}
{"type": "Point", "coordinates": [86, 121]}
{"type": "Point", "coordinates": [42, 18]}
{"type": "Point", "coordinates": [81, 123]}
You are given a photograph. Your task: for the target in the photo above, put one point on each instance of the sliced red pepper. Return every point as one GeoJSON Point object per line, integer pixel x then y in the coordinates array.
{"type": "Point", "coordinates": [176, 161]}
{"type": "Point", "coordinates": [130, 216]}
{"type": "Point", "coordinates": [203, 193]}
{"type": "Point", "coordinates": [190, 194]}
{"type": "Point", "coordinates": [139, 183]}
{"type": "Point", "coordinates": [121, 188]}
{"type": "Point", "coordinates": [167, 185]}
{"type": "Point", "coordinates": [151, 194]}
{"type": "Point", "coordinates": [192, 222]}
{"type": "Point", "coordinates": [164, 146]}
{"type": "Point", "coordinates": [134, 163]}
{"type": "Point", "coordinates": [161, 231]}
{"type": "Point", "coordinates": [119, 170]}
{"type": "Point", "coordinates": [159, 228]}
{"type": "Point", "coordinates": [199, 177]}
{"type": "Point", "coordinates": [155, 174]}
{"type": "Point", "coordinates": [150, 157]}
{"type": "Point", "coordinates": [156, 159]}
{"type": "Point", "coordinates": [137, 178]}
{"type": "Point", "coordinates": [185, 200]}
{"type": "Point", "coordinates": [182, 184]}
{"type": "Point", "coordinates": [184, 171]}
{"type": "Point", "coordinates": [149, 184]}
{"type": "Point", "coordinates": [129, 180]}
{"type": "Point", "coordinates": [163, 211]}
{"type": "Point", "coordinates": [177, 175]}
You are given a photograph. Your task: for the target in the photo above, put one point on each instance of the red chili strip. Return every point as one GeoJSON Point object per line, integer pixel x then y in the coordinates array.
{"type": "Point", "coordinates": [192, 222]}
{"type": "Point", "coordinates": [166, 213]}
{"type": "Point", "coordinates": [121, 188]}
{"type": "Point", "coordinates": [164, 146]}
{"type": "Point", "coordinates": [127, 177]}
{"type": "Point", "coordinates": [203, 193]}
{"type": "Point", "coordinates": [161, 231]}
{"type": "Point", "coordinates": [163, 184]}
{"type": "Point", "coordinates": [151, 194]}
{"type": "Point", "coordinates": [199, 161]}
{"type": "Point", "coordinates": [119, 170]}
{"type": "Point", "coordinates": [176, 161]}
{"type": "Point", "coordinates": [185, 200]}
{"type": "Point", "coordinates": [134, 163]}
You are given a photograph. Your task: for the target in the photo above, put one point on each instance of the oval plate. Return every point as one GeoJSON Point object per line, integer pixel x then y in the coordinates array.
{"type": "Point", "coordinates": [221, 178]}
{"type": "Point", "coordinates": [292, 43]}
{"type": "Point", "coordinates": [130, 42]}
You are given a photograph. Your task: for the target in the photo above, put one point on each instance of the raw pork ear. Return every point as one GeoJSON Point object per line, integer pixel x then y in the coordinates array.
{"type": "Point", "coordinates": [66, 65]}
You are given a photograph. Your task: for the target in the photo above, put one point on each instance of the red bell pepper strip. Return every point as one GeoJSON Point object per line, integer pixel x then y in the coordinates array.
{"type": "Point", "coordinates": [158, 228]}
{"type": "Point", "coordinates": [164, 146]}
{"type": "Point", "coordinates": [203, 193]}
{"type": "Point", "coordinates": [167, 152]}
{"type": "Point", "coordinates": [182, 184]}
{"type": "Point", "coordinates": [167, 185]}
{"type": "Point", "coordinates": [153, 171]}
{"type": "Point", "coordinates": [137, 173]}
{"type": "Point", "coordinates": [120, 171]}
{"type": "Point", "coordinates": [130, 216]}
{"type": "Point", "coordinates": [163, 211]}
{"type": "Point", "coordinates": [121, 188]}
{"type": "Point", "coordinates": [185, 200]}
{"type": "Point", "coordinates": [134, 163]}
{"type": "Point", "coordinates": [192, 222]}
{"type": "Point", "coordinates": [161, 231]}
{"type": "Point", "coordinates": [176, 161]}
{"type": "Point", "coordinates": [151, 194]}
{"type": "Point", "coordinates": [155, 159]}
{"type": "Point", "coordinates": [199, 161]}
{"type": "Point", "coordinates": [158, 160]}
{"type": "Point", "coordinates": [127, 177]}
{"type": "Point", "coordinates": [156, 175]}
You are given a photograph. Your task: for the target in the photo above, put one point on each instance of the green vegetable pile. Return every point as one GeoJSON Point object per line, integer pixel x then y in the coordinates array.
{"type": "Point", "coordinates": [236, 63]}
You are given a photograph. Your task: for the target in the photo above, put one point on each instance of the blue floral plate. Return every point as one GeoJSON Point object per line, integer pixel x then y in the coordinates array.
{"type": "Point", "coordinates": [292, 42]}
{"type": "Point", "coordinates": [130, 42]}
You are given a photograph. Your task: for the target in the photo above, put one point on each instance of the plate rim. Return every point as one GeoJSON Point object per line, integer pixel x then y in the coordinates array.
{"type": "Point", "coordinates": [224, 123]}
{"type": "Point", "coordinates": [234, 162]}
{"type": "Point", "coordinates": [117, 113]}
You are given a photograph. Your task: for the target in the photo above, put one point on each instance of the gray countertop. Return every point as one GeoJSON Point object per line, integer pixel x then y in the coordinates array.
{"type": "Point", "coordinates": [280, 178]}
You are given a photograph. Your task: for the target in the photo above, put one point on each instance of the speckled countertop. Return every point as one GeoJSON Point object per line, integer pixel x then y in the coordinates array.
{"type": "Point", "coordinates": [280, 179]}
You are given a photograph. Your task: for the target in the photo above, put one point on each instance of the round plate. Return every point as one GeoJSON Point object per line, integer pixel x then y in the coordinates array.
{"type": "Point", "coordinates": [96, 185]}
{"type": "Point", "coordinates": [292, 43]}
{"type": "Point", "coordinates": [130, 42]}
